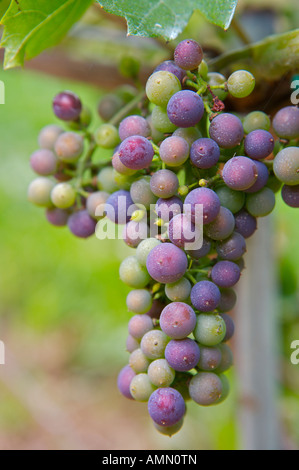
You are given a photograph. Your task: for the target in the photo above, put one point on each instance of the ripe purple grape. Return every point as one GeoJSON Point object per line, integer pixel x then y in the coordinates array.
{"type": "Point", "coordinates": [227, 130]}
{"type": "Point", "coordinates": [205, 296]}
{"type": "Point", "coordinates": [286, 122]}
{"type": "Point", "coordinates": [205, 388]}
{"type": "Point", "coordinates": [182, 354]}
{"type": "Point", "coordinates": [67, 106]}
{"type": "Point", "coordinates": [245, 223]}
{"type": "Point", "coordinates": [164, 183]}
{"type": "Point", "coordinates": [210, 201]}
{"type": "Point", "coordinates": [81, 224]}
{"type": "Point", "coordinates": [201, 252]}
{"type": "Point", "coordinates": [240, 173]}
{"type": "Point", "coordinates": [188, 54]}
{"type": "Point", "coordinates": [262, 178]}
{"type": "Point", "coordinates": [222, 227]}
{"type": "Point", "coordinates": [57, 217]}
{"type": "Point", "coordinates": [204, 153]}
{"type": "Point", "coordinates": [183, 232]}
{"type": "Point", "coordinates": [290, 195]}
{"type": "Point", "coordinates": [225, 274]}
{"type": "Point", "coordinates": [134, 125]}
{"type": "Point", "coordinates": [124, 380]}
{"type": "Point", "coordinates": [185, 108]}
{"type": "Point", "coordinates": [44, 162]}
{"type": "Point", "coordinates": [139, 325]}
{"type": "Point", "coordinates": [117, 207]}
{"type": "Point", "coordinates": [177, 320]}
{"type": "Point", "coordinates": [134, 232]}
{"type": "Point", "coordinates": [174, 151]}
{"type": "Point", "coordinates": [136, 152]}
{"type": "Point", "coordinates": [166, 263]}
{"type": "Point", "coordinates": [259, 144]}
{"type": "Point", "coordinates": [210, 358]}
{"type": "Point", "coordinates": [228, 300]}
{"type": "Point", "coordinates": [166, 406]}
{"type": "Point", "coordinates": [172, 67]}
{"type": "Point", "coordinates": [232, 248]}
{"type": "Point", "coordinates": [230, 327]}
{"type": "Point", "coordinates": [166, 209]}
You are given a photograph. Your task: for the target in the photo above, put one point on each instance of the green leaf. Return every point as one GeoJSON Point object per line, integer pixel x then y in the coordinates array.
{"type": "Point", "coordinates": [168, 18]}
{"type": "Point", "coordinates": [4, 4]}
{"type": "Point", "coordinates": [272, 57]}
{"type": "Point", "coordinates": [35, 25]}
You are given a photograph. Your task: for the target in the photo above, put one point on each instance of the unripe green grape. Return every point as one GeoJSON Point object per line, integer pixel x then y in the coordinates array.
{"type": "Point", "coordinates": [241, 83]}
{"type": "Point", "coordinates": [139, 301]}
{"type": "Point", "coordinates": [261, 203]}
{"type": "Point", "coordinates": [84, 120]}
{"type": "Point", "coordinates": [190, 134]}
{"type": "Point", "coordinates": [69, 147]}
{"type": "Point", "coordinates": [144, 248]}
{"type": "Point", "coordinates": [106, 180]}
{"type": "Point", "coordinates": [133, 274]}
{"type": "Point", "coordinates": [122, 181]}
{"type": "Point", "coordinates": [273, 183]}
{"type": "Point", "coordinates": [138, 361]}
{"type": "Point", "coordinates": [286, 166]}
{"type": "Point", "coordinates": [178, 291]}
{"type": "Point", "coordinates": [205, 388]}
{"type": "Point", "coordinates": [141, 192]}
{"type": "Point", "coordinates": [161, 121]}
{"type": "Point", "coordinates": [161, 86]}
{"type": "Point", "coordinates": [225, 388]}
{"type": "Point", "coordinates": [39, 191]}
{"type": "Point", "coordinates": [141, 387]}
{"type": "Point", "coordinates": [210, 329]}
{"type": "Point", "coordinates": [169, 430]}
{"type": "Point", "coordinates": [227, 359]}
{"type": "Point", "coordinates": [232, 200]}
{"type": "Point", "coordinates": [106, 136]}
{"type": "Point", "coordinates": [156, 135]}
{"type": "Point", "coordinates": [160, 373]}
{"type": "Point", "coordinates": [63, 195]}
{"type": "Point", "coordinates": [203, 69]}
{"type": "Point", "coordinates": [153, 344]}
{"type": "Point", "coordinates": [215, 79]}
{"type": "Point", "coordinates": [256, 120]}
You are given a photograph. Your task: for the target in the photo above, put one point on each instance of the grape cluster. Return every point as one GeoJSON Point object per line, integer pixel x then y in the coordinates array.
{"type": "Point", "coordinates": [173, 149]}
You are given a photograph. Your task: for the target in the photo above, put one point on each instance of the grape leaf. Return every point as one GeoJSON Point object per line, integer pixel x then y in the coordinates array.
{"type": "Point", "coordinates": [272, 57]}
{"type": "Point", "coordinates": [168, 18]}
{"type": "Point", "coordinates": [4, 4]}
{"type": "Point", "coordinates": [34, 25]}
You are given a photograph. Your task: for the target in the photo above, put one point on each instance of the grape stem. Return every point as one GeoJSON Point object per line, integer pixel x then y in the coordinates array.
{"type": "Point", "coordinates": [118, 117]}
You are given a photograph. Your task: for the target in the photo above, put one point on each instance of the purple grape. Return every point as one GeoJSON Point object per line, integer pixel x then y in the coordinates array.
{"type": "Point", "coordinates": [134, 125]}
{"type": "Point", "coordinates": [210, 358]}
{"type": "Point", "coordinates": [240, 173]}
{"type": "Point", "coordinates": [174, 151]}
{"type": "Point", "coordinates": [222, 227]}
{"type": "Point", "coordinates": [227, 359]}
{"type": "Point", "coordinates": [230, 327]}
{"type": "Point", "coordinates": [136, 152]}
{"type": "Point", "coordinates": [182, 354]}
{"type": "Point", "coordinates": [228, 300]}
{"type": "Point", "coordinates": [132, 344]}
{"type": "Point", "coordinates": [182, 231]}
{"type": "Point", "coordinates": [124, 380]}
{"type": "Point", "coordinates": [117, 207]}
{"type": "Point", "coordinates": [262, 178]}
{"type": "Point", "coordinates": [81, 224]}
{"type": "Point", "coordinates": [201, 252]}
{"type": "Point", "coordinates": [166, 263]}
{"type": "Point", "coordinates": [225, 274]}
{"type": "Point", "coordinates": [290, 195]}
{"type": "Point", "coordinates": [232, 248]}
{"type": "Point", "coordinates": [57, 217]}
{"type": "Point", "coordinates": [205, 153]}
{"type": "Point", "coordinates": [48, 136]}
{"type": "Point", "coordinates": [227, 130]}
{"type": "Point", "coordinates": [120, 167]}
{"type": "Point", "coordinates": [44, 162]}
{"type": "Point", "coordinates": [156, 309]}
{"type": "Point", "coordinates": [188, 54]}
{"type": "Point", "coordinates": [166, 209]}
{"type": "Point", "coordinates": [134, 232]}
{"type": "Point", "coordinates": [286, 123]}
{"type": "Point", "coordinates": [245, 223]}
{"type": "Point", "coordinates": [185, 108]}
{"type": "Point", "coordinates": [172, 67]}
{"type": "Point", "coordinates": [259, 144]}
{"type": "Point", "coordinates": [205, 296]}
{"type": "Point", "coordinates": [177, 320]}
{"type": "Point", "coordinates": [67, 106]}
{"type": "Point", "coordinates": [166, 406]}
{"type": "Point", "coordinates": [139, 325]}
{"type": "Point", "coordinates": [210, 201]}
{"type": "Point", "coordinates": [164, 183]}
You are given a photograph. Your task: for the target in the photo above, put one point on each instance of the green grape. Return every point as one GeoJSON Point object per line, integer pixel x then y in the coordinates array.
{"type": "Point", "coordinates": [106, 180]}
{"type": "Point", "coordinates": [256, 120]}
{"type": "Point", "coordinates": [153, 344]}
{"type": "Point", "coordinates": [216, 79]}
{"type": "Point", "coordinates": [274, 183]}
{"type": "Point", "coordinates": [133, 274]}
{"type": "Point", "coordinates": [241, 83]}
{"type": "Point", "coordinates": [39, 191]}
{"type": "Point", "coordinates": [210, 329]}
{"type": "Point", "coordinates": [161, 121]}
{"type": "Point", "coordinates": [169, 430]}
{"type": "Point", "coordinates": [203, 69]}
{"type": "Point", "coordinates": [139, 301]}
{"type": "Point", "coordinates": [141, 387]}
{"type": "Point", "coordinates": [261, 203]}
{"type": "Point", "coordinates": [286, 166]}
{"type": "Point", "coordinates": [160, 373]}
{"type": "Point", "coordinates": [138, 361]}
{"type": "Point", "coordinates": [161, 86]}
{"type": "Point", "coordinates": [63, 195]}
{"type": "Point", "coordinates": [232, 200]}
{"type": "Point", "coordinates": [178, 291]}
{"type": "Point", "coordinates": [225, 388]}
{"type": "Point", "coordinates": [84, 120]}
{"type": "Point", "coordinates": [141, 192]}
{"type": "Point", "coordinates": [190, 134]}
{"type": "Point", "coordinates": [144, 248]}
{"type": "Point", "coordinates": [106, 136]}
{"type": "Point", "coordinates": [122, 181]}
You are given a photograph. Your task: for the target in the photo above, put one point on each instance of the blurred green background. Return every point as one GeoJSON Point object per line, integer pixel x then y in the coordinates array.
{"type": "Point", "coordinates": [63, 316]}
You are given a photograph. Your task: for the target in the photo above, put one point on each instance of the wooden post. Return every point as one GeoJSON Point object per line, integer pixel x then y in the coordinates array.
{"type": "Point", "coordinates": [257, 344]}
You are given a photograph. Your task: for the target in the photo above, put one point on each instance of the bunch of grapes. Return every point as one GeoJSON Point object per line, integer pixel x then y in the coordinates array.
{"type": "Point", "coordinates": [174, 150]}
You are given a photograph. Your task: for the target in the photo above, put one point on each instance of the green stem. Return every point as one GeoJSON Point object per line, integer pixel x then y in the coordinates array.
{"type": "Point", "coordinates": [118, 117]}
{"type": "Point", "coordinates": [240, 32]}
{"type": "Point", "coordinates": [191, 278]}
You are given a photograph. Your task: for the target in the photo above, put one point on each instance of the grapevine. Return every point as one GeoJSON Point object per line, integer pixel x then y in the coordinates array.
{"type": "Point", "coordinates": [183, 169]}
